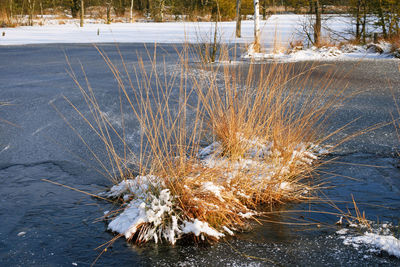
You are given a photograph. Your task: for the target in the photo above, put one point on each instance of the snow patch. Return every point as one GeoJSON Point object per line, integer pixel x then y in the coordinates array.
{"type": "Point", "coordinates": [342, 231]}
{"type": "Point", "coordinates": [198, 227]}
{"type": "Point", "coordinates": [387, 243]}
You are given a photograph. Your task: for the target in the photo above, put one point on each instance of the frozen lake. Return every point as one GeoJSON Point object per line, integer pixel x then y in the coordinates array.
{"type": "Point", "coordinates": [43, 224]}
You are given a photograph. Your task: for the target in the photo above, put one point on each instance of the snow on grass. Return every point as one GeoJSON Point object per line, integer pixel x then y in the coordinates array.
{"type": "Point", "coordinates": [256, 158]}
{"type": "Point", "coordinates": [138, 187]}
{"type": "Point", "coordinates": [156, 211]}
{"type": "Point", "coordinates": [215, 189]}
{"type": "Point", "coordinates": [198, 227]}
{"type": "Point", "coordinates": [151, 212]}
{"type": "Point", "coordinates": [154, 216]}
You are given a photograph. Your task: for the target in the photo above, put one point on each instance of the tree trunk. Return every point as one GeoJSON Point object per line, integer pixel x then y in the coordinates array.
{"type": "Point", "coordinates": [264, 9]}
{"type": "Point", "coordinates": [358, 20]}
{"type": "Point", "coordinates": [238, 18]}
{"type": "Point", "coordinates": [108, 11]}
{"type": "Point", "coordinates": [31, 7]}
{"type": "Point", "coordinates": [393, 25]}
{"type": "Point", "coordinates": [162, 8]}
{"type": "Point", "coordinates": [82, 13]}
{"type": "Point", "coordinates": [317, 25]}
{"type": "Point", "coordinates": [215, 45]}
{"type": "Point", "coordinates": [74, 8]}
{"type": "Point", "coordinates": [382, 19]}
{"type": "Point", "coordinates": [41, 9]}
{"type": "Point", "coordinates": [364, 22]}
{"type": "Point", "coordinates": [11, 10]}
{"type": "Point", "coordinates": [131, 13]}
{"type": "Point", "coordinates": [256, 44]}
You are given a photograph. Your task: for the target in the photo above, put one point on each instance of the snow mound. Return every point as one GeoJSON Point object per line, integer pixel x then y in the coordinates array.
{"type": "Point", "coordinates": [379, 237]}
{"type": "Point", "coordinates": [387, 243]}
{"type": "Point", "coordinates": [198, 227]}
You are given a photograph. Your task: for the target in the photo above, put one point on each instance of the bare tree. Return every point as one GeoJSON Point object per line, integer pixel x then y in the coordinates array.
{"type": "Point", "coordinates": [256, 44]}
{"type": "Point", "coordinates": [31, 8]}
{"type": "Point", "coordinates": [157, 9]}
{"type": "Point", "coordinates": [238, 18]}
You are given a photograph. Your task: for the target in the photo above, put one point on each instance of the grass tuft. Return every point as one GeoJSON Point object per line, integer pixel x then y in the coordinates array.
{"type": "Point", "coordinates": [263, 127]}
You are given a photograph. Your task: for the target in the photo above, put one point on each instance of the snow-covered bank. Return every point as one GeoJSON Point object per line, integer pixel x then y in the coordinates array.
{"type": "Point", "coordinates": [382, 50]}
{"type": "Point", "coordinates": [286, 28]}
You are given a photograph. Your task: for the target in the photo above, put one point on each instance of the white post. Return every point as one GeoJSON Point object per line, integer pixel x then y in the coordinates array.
{"type": "Point", "coordinates": [131, 13]}
{"type": "Point", "coordinates": [256, 45]}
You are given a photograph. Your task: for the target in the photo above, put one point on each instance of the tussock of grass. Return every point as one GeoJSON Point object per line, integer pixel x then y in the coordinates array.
{"type": "Point", "coordinates": [264, 129]}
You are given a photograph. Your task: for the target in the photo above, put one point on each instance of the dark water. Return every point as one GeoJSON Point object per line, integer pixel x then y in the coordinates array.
{"type": "Point", "coordinates": [61, 226]}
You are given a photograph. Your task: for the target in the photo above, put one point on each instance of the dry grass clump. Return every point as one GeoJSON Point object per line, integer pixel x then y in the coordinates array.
{"type": "Point", "coordinates": [268, 125]}
{"type": "Point", "coordinates": [5, 20]}
{"type": "Point", "coordinates": [264, 129]}
{"type": "Point", "coordinates": [299, 44]}
{"type": "Point", "coordinates": [395, 45]}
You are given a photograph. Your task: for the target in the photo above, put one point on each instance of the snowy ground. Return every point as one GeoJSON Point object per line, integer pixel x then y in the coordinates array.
{"type": "Point", "coordinates": [277, 31]}
{"type": "Point", "coordinates": [285, 27]}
